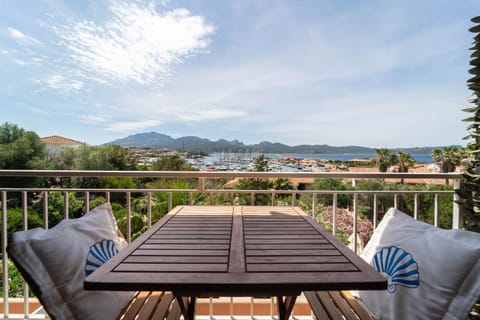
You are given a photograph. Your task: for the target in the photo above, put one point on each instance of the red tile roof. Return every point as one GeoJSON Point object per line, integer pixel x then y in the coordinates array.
{"type": "Point", "coordinates": [57, 140]}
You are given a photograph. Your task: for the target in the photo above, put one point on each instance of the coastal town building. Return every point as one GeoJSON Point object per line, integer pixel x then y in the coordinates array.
{"type": "Point", "coordinates": [55, 144]}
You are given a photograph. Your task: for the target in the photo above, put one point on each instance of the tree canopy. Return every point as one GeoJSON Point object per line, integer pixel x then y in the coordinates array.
{"type": "Point", "coordinates": [20, 149]}
{"type": "Point", "coordinates": [448, 158]}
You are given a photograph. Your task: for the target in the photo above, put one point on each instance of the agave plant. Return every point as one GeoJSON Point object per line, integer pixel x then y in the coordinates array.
{"type": "Point", "coordinates": [470, 191]}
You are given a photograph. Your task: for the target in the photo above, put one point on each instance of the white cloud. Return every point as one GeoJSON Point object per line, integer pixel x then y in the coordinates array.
{"type": "Point", "coordinates": [58, 81]}
{"type": "Point", "coordinates": [212, 114]}
{"type": "Point", "coordinates": [138, 44]}
{"type": "Point", "coordinates": [93, 119]}
{"type": "Point", "coordinates": [22, 38]}
{"type": "Point", "coordinates": [132, 126]}
{"type": "Point", "coordinates": [20, 62]}
{"type": "Point", "coordinates": [39, 110]}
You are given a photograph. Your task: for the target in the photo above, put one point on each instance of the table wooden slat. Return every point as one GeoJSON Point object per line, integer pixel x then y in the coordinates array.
{"type": "Point", "coordinates": [175, 259]}
{"type": "Point", "coordinates": [196, 246]}
{"type": "Point", "coordinates": [303, 267]}
{"type": "Point", "coordinates": [297, 259]}
{"type": "Point", "coordinates": [289, 246]}
{"type": "Point", "coordinates": [184, 267]}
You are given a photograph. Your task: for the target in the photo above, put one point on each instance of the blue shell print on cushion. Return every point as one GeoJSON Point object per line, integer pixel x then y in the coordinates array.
{"type": "Point", "coordinates": [98, 254]}
{"type": "Point", "coordinates": [399, 266]}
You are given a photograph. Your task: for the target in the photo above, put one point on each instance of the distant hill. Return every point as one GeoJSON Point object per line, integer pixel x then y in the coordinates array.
{"type": "Point", "coordinates": [196, 144]}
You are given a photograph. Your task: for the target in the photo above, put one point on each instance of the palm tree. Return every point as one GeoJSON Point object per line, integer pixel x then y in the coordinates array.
{"type": "Point", "coordinates": [384, 158]}
{"type": "Point", "coordinates": [405, 161]}
{"type": "Point", "coordinates": [448, 158]}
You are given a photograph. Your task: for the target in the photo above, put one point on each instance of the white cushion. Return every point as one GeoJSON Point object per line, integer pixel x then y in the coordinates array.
{"type": "Point", "coordinates": [56, 261]}
{"type": "Point", "coordinates": [432, 273]}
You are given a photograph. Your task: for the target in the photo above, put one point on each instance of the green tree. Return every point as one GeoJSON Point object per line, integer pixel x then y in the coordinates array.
{"type": "Point", "coordinates": [448, 158]}
{"type": "Point", "coordinates": [343, 200]}
{"type": "Point", "coordinates": [15, 220]}
{"type": "Point", "coordinates": [365, 201]}
{"type": "Point", "coordinates": [426, 205]}
{"type": "Point", "coordinates": [65, 159]}
{"type": "Point", "coordinates": [260, 164]}
{"type": "Point", "coordinates": [56, 207]}
{"type": "Point", "coordinates": [15, 281]}
{"type": "Point", "coordinates": [171, 163]}
{"type": "Point", "coordinates": [383, 159]}
{"type": "Point", "coordinates": [405, 161]}
{"type": "Point", "coordinates": [20, 149]}
{"type": "Point", "coordinates": [96, 158]}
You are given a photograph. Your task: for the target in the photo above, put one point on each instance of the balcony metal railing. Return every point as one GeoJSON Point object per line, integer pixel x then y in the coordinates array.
{"type": "Point", "coordinates": [204, 187]}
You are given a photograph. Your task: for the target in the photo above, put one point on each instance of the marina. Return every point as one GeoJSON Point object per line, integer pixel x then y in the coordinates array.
{"type": "Point", "coordinates": [288, 162]}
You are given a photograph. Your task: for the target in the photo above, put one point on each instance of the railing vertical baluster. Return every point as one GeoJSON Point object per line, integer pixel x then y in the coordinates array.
{"type": "Point", "coordinates": [355, 217]}
{"type": "Point", "coordinates": [190, 198]}
{"type": "Point", "coordinates": [252, 198]}
{"type": "Point", "coordinates": [273, 198]}
{"type": "Point", "coordinates": [129, 217]}
{"type": "Point", "coordinates": [26, 293]}
{"type": "Point", "coordinates": [231, 307]}
{"type": "Point", "coordinates": [334, 214]}
{"type": "Point", "coordinates": [395, 200]}
{"type": "Point", "coordinates": [108, 196]}
{"type": "Point", "coordinates": [25, 210]}
{"type": "Point", "coordinates": [149, 209]}
{"type": "Point", "coordinates": [211, 198]}
{"type": "Point", "coordinates": [210, 307]}
{"type": "Point", "coordinates": [436, 206]}
{"type": "Point", "coordinates": [252, 303]}
{"type": "Point", "coordinates": [170, 201]}
{"type": "Point", "coordinates": [457, 214]}
{"type": "Point", "coordinates": [375, 210]}
{"type": "Point", "coordinates": [314, 205]}
{"type": "Point", "coordinates": [294, 199]}
{"type": "Point", "coordinates": [415, 207]}
{"type": "Point", "coordinates": [201, 184]}
{"type": "Point", "coordinates": [272, 307]}
{"type": "Point", "coordinates": [232, 199]}
{"type": "Point", "coordinates": [65, 205]}
{"type": "Point", "coordinates": [87, 201]}
{"type": "Point", "coordinates": [5, 255]}
{"type": "Point", "coordinates": [45, 209]}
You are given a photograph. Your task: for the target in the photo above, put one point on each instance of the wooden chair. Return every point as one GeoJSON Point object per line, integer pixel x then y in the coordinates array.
{"type": "Point", "coordinates": [146, 305]}
{"type": "Point", "coordinates": [335, 305]}
{"type": "Point", "coordinates": [32, 261]}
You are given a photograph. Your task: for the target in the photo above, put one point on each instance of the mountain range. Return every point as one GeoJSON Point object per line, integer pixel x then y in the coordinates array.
{"type": "Point", "coordinates": [197, 144]}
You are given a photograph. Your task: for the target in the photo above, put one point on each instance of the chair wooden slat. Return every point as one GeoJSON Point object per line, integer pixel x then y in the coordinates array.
{"type": "Point", "coordinates": [150, 305]}
{"type": "Point", "coordinates": [136, 303]}
{"type": "Point", "coordinates": [343, 305]}
{"type": "Point", "coordinates": [316, 305]}
{"type": "Point", "coordinates": [356, 306]}
{"type": "Point", "coordinates": [329, 305]}
{"type": "Point", "coordinates": [175, 311]}
{"type": "Point", "coordinates": [163, 309]}
{"type": "Point", "coordinates": [147, 305]}
{"type": "Point", "coordinates": [336, 305]}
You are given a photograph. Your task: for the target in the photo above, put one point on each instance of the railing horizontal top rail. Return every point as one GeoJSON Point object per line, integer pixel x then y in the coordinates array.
{"type": "Point", "coordinates": [319, 192]}
{"type": "Point", "coordinates": [226, 174]}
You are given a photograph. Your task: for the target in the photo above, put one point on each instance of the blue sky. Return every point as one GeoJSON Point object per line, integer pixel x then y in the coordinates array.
{"type": "Point", "coordinates": [338, 72]}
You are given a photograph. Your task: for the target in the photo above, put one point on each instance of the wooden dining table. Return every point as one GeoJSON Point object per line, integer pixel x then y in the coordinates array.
{"type": "Point", "coordinates": [257, 251]}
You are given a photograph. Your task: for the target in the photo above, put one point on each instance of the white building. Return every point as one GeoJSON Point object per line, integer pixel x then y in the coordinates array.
{"type": "Point", "coordinates": [57, 143]}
